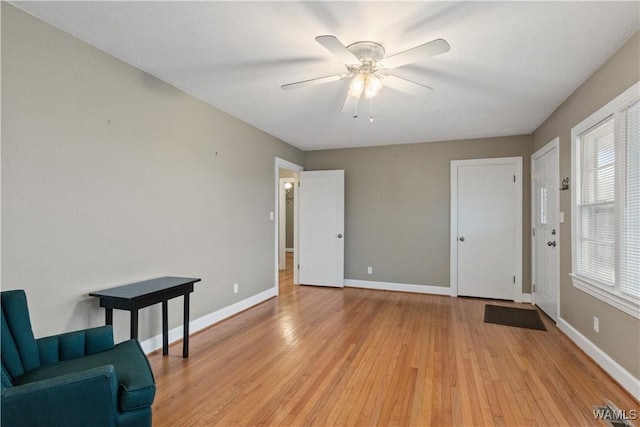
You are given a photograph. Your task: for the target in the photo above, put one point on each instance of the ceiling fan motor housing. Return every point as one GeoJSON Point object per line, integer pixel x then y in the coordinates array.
{"type": "Point", "coordinates": [367, 51]}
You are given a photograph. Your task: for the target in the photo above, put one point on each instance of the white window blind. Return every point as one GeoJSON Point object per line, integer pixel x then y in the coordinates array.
{"type": "Point", "coordinates": [596, 257]}
{"type": "Point", "coordinates": [606, 203]}
{"type": "Point", "coordinates": [629, 195]}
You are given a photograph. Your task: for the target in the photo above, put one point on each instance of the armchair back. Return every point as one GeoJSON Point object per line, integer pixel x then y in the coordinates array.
{"type": "Point", "coordinates": [19, 348]}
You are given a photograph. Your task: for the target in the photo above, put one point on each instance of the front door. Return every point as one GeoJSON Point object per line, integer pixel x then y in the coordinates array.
{"type": "Point", "coordinates": [321, 228]}
{"type": "Point", "coordinates": [487, 224]}
{"type": "Point", "coordinates": [544, 218]}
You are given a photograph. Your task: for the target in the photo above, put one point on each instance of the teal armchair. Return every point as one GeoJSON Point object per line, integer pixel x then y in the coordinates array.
{"type": "Point", "coordinates": [74, 379]}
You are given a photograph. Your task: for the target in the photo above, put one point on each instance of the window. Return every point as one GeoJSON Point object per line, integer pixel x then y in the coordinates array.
{"type": "Point", "coordinates": [606, 203]}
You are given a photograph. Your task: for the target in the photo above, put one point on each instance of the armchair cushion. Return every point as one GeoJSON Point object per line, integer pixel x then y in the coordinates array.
{"type": "Point", "coordinates": [136, 384]}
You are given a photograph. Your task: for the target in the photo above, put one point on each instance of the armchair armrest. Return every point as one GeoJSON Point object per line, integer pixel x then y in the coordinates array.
{"type": "Point", "coordinates": [78, 399]}
{"type": "Point", "coordinates": [70, 345]}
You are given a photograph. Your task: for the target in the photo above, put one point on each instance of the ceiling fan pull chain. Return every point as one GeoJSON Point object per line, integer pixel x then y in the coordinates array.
{"type": "Point", "coordinates": [355, 115]}
{"type": "Point", "coordinates": [371, 116]}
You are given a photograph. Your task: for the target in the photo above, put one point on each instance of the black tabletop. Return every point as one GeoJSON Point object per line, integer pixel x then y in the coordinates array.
{"type": "Point", "coordinates": [144, 288]}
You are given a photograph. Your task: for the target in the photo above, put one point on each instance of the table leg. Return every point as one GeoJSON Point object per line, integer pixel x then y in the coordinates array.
{"type": "Point", "coordinates": [165, 328]}
{"type": "Point", "coordinates": [108, 314]}
{"type": "Point", "coordinates": [185, 340]}
{"type": "Point", "coordinates": [134, 323]}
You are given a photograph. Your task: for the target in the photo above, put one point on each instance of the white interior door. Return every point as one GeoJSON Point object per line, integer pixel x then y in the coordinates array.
{"type": "Point", "coordinates": [321, 228]}
{"type": "Point", "coordinates": [544, 218]}
{"type": "Point", "coordinates": [487, 224]}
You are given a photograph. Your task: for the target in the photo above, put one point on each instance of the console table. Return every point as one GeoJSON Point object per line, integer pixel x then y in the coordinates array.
{"type": "Point", "coordinates": [135, 296]}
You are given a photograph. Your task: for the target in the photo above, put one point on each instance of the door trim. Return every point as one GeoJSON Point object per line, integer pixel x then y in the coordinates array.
{"type": "Point", "coordinates": [284, 164]}
{"type": "Point", "coordinates": [453, 246]}
{"type": "Point", "coordinates": [553, 144]}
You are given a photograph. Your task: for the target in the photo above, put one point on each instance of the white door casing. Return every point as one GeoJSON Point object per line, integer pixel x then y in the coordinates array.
{"type": "Point", "coordinates": [545, 243]}
{"type": "Point", "coordinates": [486, 228]}
{"type": "Point", "coordinates": [321, 228]}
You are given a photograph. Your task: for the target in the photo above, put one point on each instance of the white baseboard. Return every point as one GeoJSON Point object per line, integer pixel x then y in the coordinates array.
{"type": "Point", "coordinates": [400, 287]}
{"type": "Point", "coordinates": [619, 373]}
{"type": "Point", "coordinates": [175, 334]}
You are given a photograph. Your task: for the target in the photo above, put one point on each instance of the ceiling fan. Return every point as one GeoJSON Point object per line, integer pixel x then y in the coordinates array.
{"type": "Point", "coordinates": [370, 69]}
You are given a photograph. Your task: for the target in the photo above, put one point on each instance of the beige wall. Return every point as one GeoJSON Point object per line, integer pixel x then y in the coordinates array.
{"type": "Point", "coordinates": [110, 176]}
{"type": "Point", "coordinates": [619, 335]}
{"type": "Point", "coordinates": [397, 206]}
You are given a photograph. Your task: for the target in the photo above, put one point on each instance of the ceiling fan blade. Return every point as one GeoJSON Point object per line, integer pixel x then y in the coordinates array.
{"type": "Point", "coordinates": [349, 105]}
{"type": "Point", "coordinates": [418, 53]}
{"type": "Point", "coordinates": [335, 46]}
{"type": "Point", "coordinates": [311, 82]}
{"type": "Point", "coordinates": [406, 86]}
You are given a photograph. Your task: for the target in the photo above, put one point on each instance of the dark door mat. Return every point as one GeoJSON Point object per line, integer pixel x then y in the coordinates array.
{"type": "Point", "coordinates": [519, 317]}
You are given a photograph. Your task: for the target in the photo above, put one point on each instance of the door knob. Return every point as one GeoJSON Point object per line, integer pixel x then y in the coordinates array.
{"type": "Point", "coordinates": [461, 239]}
{"type": "Point", "coordinates": [340, 236]}
{"type": "Point", "coordinates": [552, 243]}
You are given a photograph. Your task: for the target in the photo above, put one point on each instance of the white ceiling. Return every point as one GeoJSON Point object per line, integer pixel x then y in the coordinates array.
{"type": "Point", "coordinates": [511, 64]}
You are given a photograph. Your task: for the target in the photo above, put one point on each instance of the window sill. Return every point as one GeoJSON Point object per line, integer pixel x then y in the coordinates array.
{"type": "Point", "coordinates": [621, 303]}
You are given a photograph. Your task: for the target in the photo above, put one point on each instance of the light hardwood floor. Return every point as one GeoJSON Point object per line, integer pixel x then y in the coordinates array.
{"type": "Point", "coordinates": [333, 357]}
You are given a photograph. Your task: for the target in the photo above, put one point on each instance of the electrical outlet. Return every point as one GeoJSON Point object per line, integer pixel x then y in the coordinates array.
{"type": "Point", "coordinates": [369, 270]}
{"type": "Point", "coordinates": [596, 324]}
{"type": "Point", "coordinates": [235, 288]}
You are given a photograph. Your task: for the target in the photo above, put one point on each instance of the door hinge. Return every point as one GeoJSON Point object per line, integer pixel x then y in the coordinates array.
{"type": "Point", "coordinates": [298, 183]}
{"type": "Point", "coordinates": [514, 279]}
{"type": "Point", "coordinates": [514, 178]}
{"type": "Point", "coordinates": [298, 266]}
{"type": "Point", "coordinates": [533, 286]}
{"type": "Point", "coordinates": [533, 230]}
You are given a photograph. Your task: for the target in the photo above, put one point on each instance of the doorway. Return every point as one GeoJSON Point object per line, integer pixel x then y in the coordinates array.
{"type": "Point", "coordinates": [286, 218]}
{"type": "Point", "coordinates": [486, 228]}
{"type": "Point", "coordinates": [285, 171]}
{"type": "Point", "coordinates": [545, 250]}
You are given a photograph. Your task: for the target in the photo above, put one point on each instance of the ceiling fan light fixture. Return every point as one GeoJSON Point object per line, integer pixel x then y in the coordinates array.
{"type": "Point", "coordinates": [357, 85]}
{"type": "Point", "coordinates": [365, 83]}
{"type": "Point", "coordinates": [372, 86]}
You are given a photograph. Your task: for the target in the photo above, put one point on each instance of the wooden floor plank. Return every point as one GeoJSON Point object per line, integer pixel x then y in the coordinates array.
{"type": "Point", "coordinates": [334, 357]}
